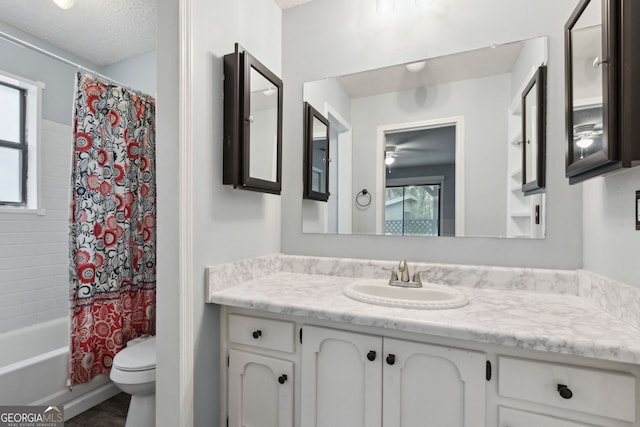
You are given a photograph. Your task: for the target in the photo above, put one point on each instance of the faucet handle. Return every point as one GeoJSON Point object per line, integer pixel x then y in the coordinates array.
{"type": "Point", "coordinates": [416, 276]}
{"type": "Point", "coordinates": [404, 271]}
{"type": "Point", "coordinates": [394, 275]}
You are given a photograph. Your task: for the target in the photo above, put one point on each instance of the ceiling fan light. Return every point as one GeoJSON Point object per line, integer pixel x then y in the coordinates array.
{"type": "Point", "coordinates": [584, 142]}
{"type": "Point", "coordinates": [416, 66]}
{"type": "Point", "coordinates": [65, 4]}
{"type": "Point", "coordinates": [389, 160]}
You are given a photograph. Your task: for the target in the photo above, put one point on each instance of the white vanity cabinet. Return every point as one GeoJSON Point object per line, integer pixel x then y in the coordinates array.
{"type": "Point", "coordinates": [288, 371]}
{"type": "Point", "coordinates": [260, 382]}
{"type": "Point", "coordinates": [358, 380]}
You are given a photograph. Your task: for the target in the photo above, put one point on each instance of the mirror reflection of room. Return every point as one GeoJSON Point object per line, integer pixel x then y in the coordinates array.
{"type": "Point", "coordinates": [437, 143]}
{"type": "Point", "coordinates": [264, 127]}
{"type": "Point", "coordinates": [586, 47]}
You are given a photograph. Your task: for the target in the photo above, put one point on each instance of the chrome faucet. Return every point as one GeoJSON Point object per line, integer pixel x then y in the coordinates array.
{"type": "Point", "coordinates": [404, 277]}
{"type": "Point", "coordinates": [404, 271]}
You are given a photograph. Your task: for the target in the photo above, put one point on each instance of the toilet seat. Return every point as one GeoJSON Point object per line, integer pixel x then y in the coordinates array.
{"type": "Point", "coordinates": [135, 364]}
{"type": "Point", "coordinates": [137, 357]}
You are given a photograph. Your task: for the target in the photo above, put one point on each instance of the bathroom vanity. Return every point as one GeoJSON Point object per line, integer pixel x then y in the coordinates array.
{"type": "Point", "coordinates": [526, 351]}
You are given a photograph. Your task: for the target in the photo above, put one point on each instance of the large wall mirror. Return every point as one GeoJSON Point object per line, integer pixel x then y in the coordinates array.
{"type": "Point", "coordinates": [436, 144]}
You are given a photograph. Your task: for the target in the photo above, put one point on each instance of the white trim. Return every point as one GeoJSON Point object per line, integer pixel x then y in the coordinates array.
{"type": "Point", "coordinates": [345, 178]}
{"type": "Point", "coordinates": [458, 122]}
{"type": "Point", "coordinates": [19, 81]}
{"type": "Point", "coordinates": [33, 127]}
{"type": "Point", "coordinates": [21, 210]}
{"type": "Point", "coordinates": [83, 402]}
{"type": "Point", "coordinates": [185, 202]}
{"type": "Point", "coordinates": [584, 103]}
{"type": "Point", "coordinates": [417, 180]}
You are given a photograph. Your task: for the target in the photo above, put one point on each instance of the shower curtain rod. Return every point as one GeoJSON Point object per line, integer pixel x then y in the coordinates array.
{"type": "Point", "coordinates": [24, 44]}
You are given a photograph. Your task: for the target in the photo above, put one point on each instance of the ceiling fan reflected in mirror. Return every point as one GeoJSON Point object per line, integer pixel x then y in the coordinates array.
{"type": "Point", "coordinates": [389, 155]}
{"type": "Point", "coordinates": [584, 135]}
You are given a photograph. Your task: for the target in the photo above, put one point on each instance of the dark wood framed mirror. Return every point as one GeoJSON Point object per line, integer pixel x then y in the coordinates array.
{"type": "Point", "coordinates": [602, 93]}
{"type": "Point", "coordinates": [252, 153]}
{"type": "Point", "coordinates": [534, 129]}
{"type": "Point", "coordinates": [316, 155]}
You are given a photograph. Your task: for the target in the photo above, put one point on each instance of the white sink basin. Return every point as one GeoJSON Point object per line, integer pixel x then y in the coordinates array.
{"type": "Point", "coordinates": [429, 297]}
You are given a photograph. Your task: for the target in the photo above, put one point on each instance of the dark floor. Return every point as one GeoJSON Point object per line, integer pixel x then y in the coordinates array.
{"type": "Point", "coordinates": [110, 413]}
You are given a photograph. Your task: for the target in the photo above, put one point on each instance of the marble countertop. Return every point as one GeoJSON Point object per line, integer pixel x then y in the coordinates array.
{"type": "Point", "coordinates": [557, 323]}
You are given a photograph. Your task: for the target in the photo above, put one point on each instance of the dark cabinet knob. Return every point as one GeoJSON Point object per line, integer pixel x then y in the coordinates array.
{"type": "Point", "coordinates": [391, 359]}
{"type": "Point", "coordinates": [282, 378]}
{"type": "Point", "coordinates": [565, 392]}
{"type": "Point", "coordinates": [371, 355]}
{"type": "Point", "coordinates": [257, 334]}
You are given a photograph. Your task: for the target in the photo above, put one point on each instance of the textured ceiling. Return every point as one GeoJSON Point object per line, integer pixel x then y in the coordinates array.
{"type": "Point", "coordinates": [102, 31]}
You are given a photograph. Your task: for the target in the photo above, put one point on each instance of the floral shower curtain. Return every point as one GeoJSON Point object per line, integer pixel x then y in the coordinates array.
{"type": "Point", "coordinates": [112, 225]}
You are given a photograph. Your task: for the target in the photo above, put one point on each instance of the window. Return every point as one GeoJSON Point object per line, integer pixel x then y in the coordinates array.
{"type": "Point", "coordinates": [413, 210]}
{"type": "Point", "coordinates": [14, 152]}
{"type": "Point", "coordinates": [19, 118]}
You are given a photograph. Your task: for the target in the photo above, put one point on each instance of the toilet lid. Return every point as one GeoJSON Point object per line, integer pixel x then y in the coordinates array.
{"type": "Point", "coordinates": [138, 357]}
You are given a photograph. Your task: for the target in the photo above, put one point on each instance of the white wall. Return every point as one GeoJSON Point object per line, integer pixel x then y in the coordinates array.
{"type": "Point", "coordinates": [138, 72]}
{"type": "Point", "coordinates": [328, 91]}
{"type": "Point", "coordinates": [482, 103]}
{"type": "Point", "coordinates": [34, 266]}
{"type": "Point", "coordinates": [228, 224]}
{"type": "Point", "coordinates": [359, 39]}
{"type": "Point", "coordinates": [611, 242]}
{"type": "Point", "coordinates": [532, 55]}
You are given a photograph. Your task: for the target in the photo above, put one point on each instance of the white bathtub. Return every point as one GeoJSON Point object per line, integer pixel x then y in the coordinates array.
{"type": "Point", "coordinates": [34, 365]}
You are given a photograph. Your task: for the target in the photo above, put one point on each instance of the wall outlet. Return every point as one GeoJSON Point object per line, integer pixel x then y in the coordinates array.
{"type": "Point", "coordinates": [637, 210]}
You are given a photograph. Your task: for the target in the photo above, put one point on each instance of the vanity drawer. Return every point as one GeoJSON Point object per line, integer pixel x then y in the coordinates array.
{"type": "Point", "coordinates": [514, 418]}
{"type": "Point", "coordinates": [605, 393]}
{"type": "Point", "coordinates": [264, 333]}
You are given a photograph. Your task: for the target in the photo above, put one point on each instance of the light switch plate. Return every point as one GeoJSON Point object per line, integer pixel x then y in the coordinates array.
{"type": "Point", "coordinates": [637, 210]}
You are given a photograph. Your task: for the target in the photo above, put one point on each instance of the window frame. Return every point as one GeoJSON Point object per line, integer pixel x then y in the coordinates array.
{"type": "Point", "coordinates": [32, 142]}
{"type": "Point", "coordinates": [417, 182]}
{"type": "Point", "coordinates": [22, 146]}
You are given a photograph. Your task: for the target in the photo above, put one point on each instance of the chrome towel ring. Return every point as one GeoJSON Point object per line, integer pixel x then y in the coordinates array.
{"type": "Point", "coordinates": [363, 199]}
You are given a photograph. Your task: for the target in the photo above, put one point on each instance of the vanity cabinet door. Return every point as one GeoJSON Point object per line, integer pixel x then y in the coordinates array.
{"type": "Point", "coordinates": [341, 379]}
{"type": "Point", "coordinates": [432, 385]}
{"type": "Point", "coordinates": [260, 391]}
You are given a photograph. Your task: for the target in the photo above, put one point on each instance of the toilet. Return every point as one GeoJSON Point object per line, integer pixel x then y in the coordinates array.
{"type": "Point", "coordinates": [134, 372]}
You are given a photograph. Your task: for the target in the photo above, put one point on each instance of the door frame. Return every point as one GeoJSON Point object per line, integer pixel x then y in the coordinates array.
{"type": "Point", "coordinates": [458, 122]}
